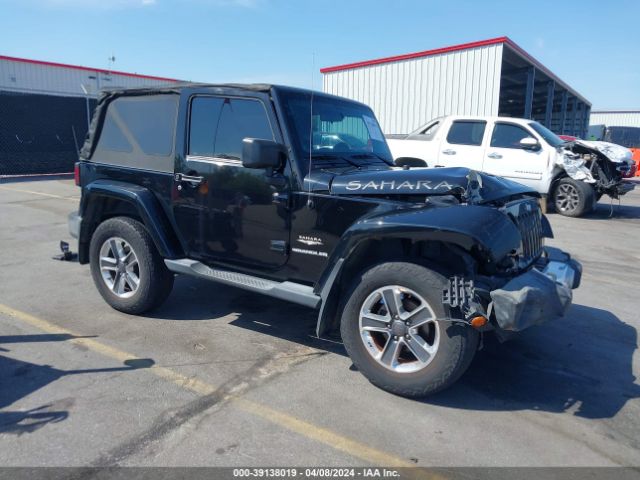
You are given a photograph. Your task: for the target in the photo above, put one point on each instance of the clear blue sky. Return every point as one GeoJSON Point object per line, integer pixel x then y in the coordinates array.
{"type": "Point", "coordinates": [592, 45]}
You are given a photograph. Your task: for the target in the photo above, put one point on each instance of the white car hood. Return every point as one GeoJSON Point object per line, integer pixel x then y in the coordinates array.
{"type": "Point", "coordinates": [615, 153]}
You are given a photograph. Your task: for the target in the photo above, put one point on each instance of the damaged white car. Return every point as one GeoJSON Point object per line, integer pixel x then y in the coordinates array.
{"type": "Point", "coordinates": [572, 175]}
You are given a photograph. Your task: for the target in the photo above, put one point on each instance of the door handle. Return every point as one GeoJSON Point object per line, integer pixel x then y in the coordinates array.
{"type": "Point", "coordinates": [192, 180]}
{"type": "Point", "coordinates": [449, 152]}
{"type": "Point", "coordinates": [494, 155]}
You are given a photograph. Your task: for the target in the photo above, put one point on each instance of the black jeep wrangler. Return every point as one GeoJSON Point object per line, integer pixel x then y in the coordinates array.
{"type": "Point", "coordinates": [294, 194]}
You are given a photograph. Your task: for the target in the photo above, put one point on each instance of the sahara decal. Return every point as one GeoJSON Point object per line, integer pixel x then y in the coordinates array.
{"type": "Point", "coordinates": [419, 185]}
{"type": "Point", "coordinates": [309, 240]}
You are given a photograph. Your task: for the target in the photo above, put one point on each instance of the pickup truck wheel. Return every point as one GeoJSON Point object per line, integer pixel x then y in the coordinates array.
{"type": "Point", "coordinates": [573, 198]}
{"type": "Point", "coordinates": [393, 330]}
{"type": "Point", "coordinates": [127, 268]}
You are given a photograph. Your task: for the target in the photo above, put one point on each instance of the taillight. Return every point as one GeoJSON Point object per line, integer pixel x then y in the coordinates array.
{"type": "Point", "coordinates": [76, 174]}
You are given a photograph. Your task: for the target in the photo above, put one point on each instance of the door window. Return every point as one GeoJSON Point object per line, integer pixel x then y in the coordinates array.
{"type": "Point", "coordinates": [466, 132]}
{"type": "Point", "coordinates": [429, 132]}
{"type": "Point", "coordinates": [218, 125]}
{"type": "Point", "coordinates": [508, 135]}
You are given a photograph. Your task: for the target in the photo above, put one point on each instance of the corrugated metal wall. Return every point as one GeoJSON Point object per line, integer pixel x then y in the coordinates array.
{"type": "Point", "coordinates": [616, 119]}
{"type": "Point", "coordinates": [28, 77]}
{"type": "Point", "coordinates": [408, 93]}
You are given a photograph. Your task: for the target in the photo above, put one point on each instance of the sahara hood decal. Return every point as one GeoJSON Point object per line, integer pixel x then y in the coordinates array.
{"type": "Point", "coordinates": [419, 185]}
{"type": "Point", "coordinates": [476, 187]}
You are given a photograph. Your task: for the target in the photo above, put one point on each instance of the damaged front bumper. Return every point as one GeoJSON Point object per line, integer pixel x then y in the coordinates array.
{"type": "Point", "coordinates": [538, 295]}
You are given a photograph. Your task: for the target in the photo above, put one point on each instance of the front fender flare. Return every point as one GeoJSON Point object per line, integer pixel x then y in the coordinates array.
{"type": "Point", "coordinates": [484, 231]}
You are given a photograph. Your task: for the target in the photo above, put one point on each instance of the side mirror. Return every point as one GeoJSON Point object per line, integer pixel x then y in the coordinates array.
{"type": "Point", "coordinates": [259, 153]}
{"type": "Point", "coordinates": [530, 143]}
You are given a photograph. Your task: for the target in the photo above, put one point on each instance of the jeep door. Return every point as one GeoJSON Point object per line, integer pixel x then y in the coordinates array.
{"type": "Point", "coordinates": [505, 156]}
{"type": "Point", "coordinates": [226, 213]}
{"type": "Point", "coordinates": [462, 146]}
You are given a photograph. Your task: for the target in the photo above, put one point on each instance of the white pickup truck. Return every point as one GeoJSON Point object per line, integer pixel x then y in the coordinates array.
{"type": "Point", "coordinates": [572, 175]}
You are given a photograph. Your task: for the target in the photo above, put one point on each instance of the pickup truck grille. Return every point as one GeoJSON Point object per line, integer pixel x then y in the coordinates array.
{"type": "Point", "coordinates": [527, 216]}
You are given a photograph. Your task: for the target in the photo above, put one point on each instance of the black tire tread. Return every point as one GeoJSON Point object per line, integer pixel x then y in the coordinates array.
{"type": "Point", "coordinates": [463, 340]}
{"type": "Point", "coordinates": [586, 193]}
{"type": "Point", "coordinates": [151, 293]}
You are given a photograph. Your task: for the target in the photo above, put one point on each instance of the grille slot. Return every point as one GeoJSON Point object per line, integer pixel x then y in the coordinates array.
{"type": "Point", "coordinates": [528, 220]}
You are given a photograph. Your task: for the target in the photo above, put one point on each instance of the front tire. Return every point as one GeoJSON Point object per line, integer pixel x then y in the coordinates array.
{"type": "Point", "coordinates": [573, 198]}
{"type": "Point", "coordinates": [126, 267]}
{"type": "Point", "coordinates": [393, 330]}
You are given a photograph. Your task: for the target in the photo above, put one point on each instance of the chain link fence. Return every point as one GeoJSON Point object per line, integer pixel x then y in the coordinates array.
{"type": "Point", "coordinates": [41, 134]}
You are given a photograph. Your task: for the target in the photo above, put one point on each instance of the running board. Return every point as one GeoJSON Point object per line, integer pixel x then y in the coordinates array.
{"type": "Point", "coordinates": [293, 292]}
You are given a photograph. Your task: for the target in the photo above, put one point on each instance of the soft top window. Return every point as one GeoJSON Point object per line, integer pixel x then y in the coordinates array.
{"type": "Point", "coordinates": [139, 131]}
{"type": "Point", "coordinates": [150, 120]}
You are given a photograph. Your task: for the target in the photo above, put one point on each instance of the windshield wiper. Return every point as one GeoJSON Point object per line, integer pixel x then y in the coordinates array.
{"type": "Point", "coordinates": [369, 155]}
{"type": "Point", "coordinates": [324, 156]}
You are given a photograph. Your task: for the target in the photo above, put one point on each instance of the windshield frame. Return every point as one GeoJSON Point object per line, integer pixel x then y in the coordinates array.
{"type": "Point", "coordinates": [284, 94]}
{"type": "Point", "coordinates": [547, 135]}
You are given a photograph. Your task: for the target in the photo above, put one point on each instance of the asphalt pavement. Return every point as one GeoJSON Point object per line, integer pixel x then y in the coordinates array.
{"type": "Point", "coordinates": [222, 377]}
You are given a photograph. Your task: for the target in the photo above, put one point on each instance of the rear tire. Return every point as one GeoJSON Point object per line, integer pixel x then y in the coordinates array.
{"type": "Point", "coordinates": [427, 359]}
{"type": "Point", "coordinates": [126, 267]}
{"type": "Point", "coordinates": [573, 198]}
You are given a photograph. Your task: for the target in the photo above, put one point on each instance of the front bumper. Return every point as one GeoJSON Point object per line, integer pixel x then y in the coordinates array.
{"type": "Point", "coordinates": [538, 295]}
{"type": "Point", "coordinates": [624, 187]}
{"type": "Point", "coordinates": [74, 220]}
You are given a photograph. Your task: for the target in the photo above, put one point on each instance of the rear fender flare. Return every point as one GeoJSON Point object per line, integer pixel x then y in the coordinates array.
{"type": "Point", "coordinates": [146, 205]}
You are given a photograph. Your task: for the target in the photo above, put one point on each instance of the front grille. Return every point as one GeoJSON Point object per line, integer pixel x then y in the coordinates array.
{"type": "Point", "coordinates": [528, 218]}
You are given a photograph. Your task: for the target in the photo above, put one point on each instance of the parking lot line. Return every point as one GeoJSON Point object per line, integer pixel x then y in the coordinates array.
{"type": "Point", "coordinates": [285, 420]}
{"type": "Point", "coordinates": [42, 194]}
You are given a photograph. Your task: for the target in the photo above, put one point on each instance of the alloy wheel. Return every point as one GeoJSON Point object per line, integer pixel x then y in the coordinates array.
{"type": "Point", "coordinates": [399, 329]}
{"type": "Point", "coordinates": [119, 267]}
{"type": "Point", "coordinates": [567, 198]}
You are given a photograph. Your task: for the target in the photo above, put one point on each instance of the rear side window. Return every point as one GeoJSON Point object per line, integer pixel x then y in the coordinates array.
{"type": "Point", "coordinates": [139, 131]}
{"type": "Point", "coordinates": [218, 125]}
{"type": "Point", "coordinates": [508, 135]}
{"type": "Point", "coordinates": [466, 132]}
{"type": "Point", "coordinates": [146, 124]}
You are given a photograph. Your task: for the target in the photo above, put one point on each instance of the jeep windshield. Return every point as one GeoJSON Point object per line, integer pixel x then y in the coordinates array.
{"type": "Point", "coordinates": [334, 133]}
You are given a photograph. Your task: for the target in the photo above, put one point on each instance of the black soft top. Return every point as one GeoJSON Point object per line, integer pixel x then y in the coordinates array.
{"type": "Point", "coordinates": [107, 96]}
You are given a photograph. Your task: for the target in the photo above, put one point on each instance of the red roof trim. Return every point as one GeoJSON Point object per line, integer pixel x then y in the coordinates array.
{"type": "Point", "coordinates": [87, 69]}
{"type": "Point", "coordinates": [425, 53]}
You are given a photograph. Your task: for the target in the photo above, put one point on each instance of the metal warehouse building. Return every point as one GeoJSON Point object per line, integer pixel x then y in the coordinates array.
{"type": "Point", "coordinates": [45, 108]}
{"type": "Point", "coordinates": [490, 77]}
{"type": "Point", "coordinates": [616, 118]}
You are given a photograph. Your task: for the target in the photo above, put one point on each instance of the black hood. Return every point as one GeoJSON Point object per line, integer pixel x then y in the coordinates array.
{"type": "Point", "coordinates": [417, 181]}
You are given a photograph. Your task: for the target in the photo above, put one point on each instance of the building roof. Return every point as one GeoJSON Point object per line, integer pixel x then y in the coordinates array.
{"type": "Point", "coordinates": [88, 69]}
{"type": "Point", "coordinates": [454, 48]}
{"type": "Point", "coordinates": [616, 111]}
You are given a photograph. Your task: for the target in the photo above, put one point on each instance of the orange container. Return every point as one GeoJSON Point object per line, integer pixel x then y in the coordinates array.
{"type": "Point", "coordinates": [636, 157]}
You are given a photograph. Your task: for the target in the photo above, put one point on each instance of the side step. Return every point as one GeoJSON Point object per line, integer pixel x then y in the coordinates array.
{"type": "Point", "coordinates": [290, 291]}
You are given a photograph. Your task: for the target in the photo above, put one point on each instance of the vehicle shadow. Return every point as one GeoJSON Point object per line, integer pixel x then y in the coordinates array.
{"type": "Point", "coordinates": [195, 299]}
{"type": "Point", "coordinates": [581, 363]}
{"type": "Point", "coordinates": [19, 379]}
{"type": "Point", "coordinates": [606, 211]}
